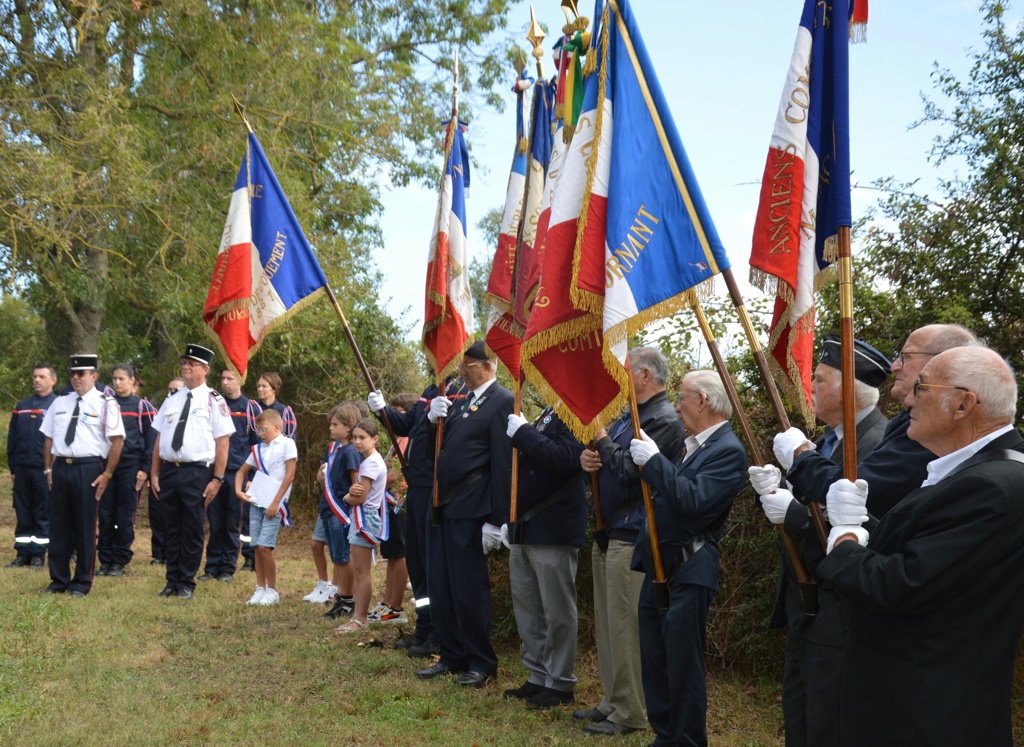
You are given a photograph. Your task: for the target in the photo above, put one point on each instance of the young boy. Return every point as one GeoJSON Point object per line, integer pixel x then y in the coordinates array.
{"type": "Point", "coordinates": [276, 457]}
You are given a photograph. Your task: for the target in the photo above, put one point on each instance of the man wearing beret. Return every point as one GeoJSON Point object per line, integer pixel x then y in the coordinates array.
{"type": "Point", "coordinates": [474, 485]}
{"type": "Point", "coordinates": [84, 436]}
{"type": "Point", "coordinates": [189, 459]}
{"type": "Point", "coordinates": [811, 680]}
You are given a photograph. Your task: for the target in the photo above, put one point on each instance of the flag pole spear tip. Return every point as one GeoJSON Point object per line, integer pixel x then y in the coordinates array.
{"type": "Point", "coordinates": [519, 63]}
{"type": "Point", "coordinates": [241, 113]}
{"type": "Point", "coordinates": [535, 35]}
{"type": "Point", "coordinates": [574, 22]}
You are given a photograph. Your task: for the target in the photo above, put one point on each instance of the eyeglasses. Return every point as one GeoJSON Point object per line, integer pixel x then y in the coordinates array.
{"type": "Point", "coordinates": [684, 395]}
{"type": "Point", "coordinates": [261, 430]}
{"type": "Point", "coordinates": [463, 364]}
{"type": "Point", "coordinates": [919, 385]}
{"type": "Point", "coordinates": [902, 355]}
{"type": "Point", "coordinates": [80, 373]}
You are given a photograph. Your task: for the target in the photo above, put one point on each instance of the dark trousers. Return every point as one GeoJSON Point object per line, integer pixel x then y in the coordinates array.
{"type": "Point", "coordinates": [73, 510]}
{"type": "Point", "coordinates": [460, 595]}
{"type": "Point", "coordinates": [31, 511]}
{"type": "Point", "coordinates": [248, 551]}
{"type": "Point", "coordinates": [417, 517]}
{"type": "Point", "coordinates": [224, 515]}
{"type": "Point", "coordinates": [117, 516]}
{"type": "Point", "coordinates": [672, 661]}
{"type": "Point", "coordinates": [156, 526]}
{"type": "Point", "coordinates": [181, 493]}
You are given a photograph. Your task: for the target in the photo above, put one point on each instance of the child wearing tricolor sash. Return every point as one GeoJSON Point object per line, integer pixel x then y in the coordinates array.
{"type": "Point", "coordinates": [276, 457]}
{"type": "Point", "coordinates": [369, 525]}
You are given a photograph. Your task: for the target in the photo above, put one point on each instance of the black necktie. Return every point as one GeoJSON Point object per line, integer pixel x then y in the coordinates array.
{"type": "Point", "coordinates": [179, 429]}
{"type": "Point", "coordinates": [69, 436]}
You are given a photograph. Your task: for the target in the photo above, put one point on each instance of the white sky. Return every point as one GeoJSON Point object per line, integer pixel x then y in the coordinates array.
{"type": "Point", "coordinates": [721, 66]}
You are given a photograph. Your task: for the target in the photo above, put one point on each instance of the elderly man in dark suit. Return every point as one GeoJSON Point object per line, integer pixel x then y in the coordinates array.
{"type": "Point", "coordinates": [474, 484]}
{"type": "Point", "coordinates": [691, 501]}
{"type": "Point", "coordinates": [935, 604]}
{"type": "Point", "coordinates": [814, 643]}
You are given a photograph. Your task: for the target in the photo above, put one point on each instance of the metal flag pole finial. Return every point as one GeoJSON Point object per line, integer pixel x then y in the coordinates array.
{"type": "Point", "coordinates": [535, 35]}
{"type": "Point", "coordinates": [241, 113]}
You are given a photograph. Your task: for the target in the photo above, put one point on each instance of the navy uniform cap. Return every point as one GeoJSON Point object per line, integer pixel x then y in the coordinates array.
{"type": "Point", "coordinates": [198, 353]}
{"type": "Point", "coordinates": [870, 366]}
{"type": "Point", "coordinates": [84, 362]}
{"type": "Point", "coordinates": [477, 351]}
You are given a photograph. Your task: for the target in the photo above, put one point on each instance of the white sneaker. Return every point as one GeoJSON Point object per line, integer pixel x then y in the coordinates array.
{"type": "Point", "coordinates": [316, 590]}
{"type": "Point", "coordinates": [270, 596]}
{"type": "Point", "coordinates": [257, 595]}
{"type": "Point", "coordinates": [323, 593]}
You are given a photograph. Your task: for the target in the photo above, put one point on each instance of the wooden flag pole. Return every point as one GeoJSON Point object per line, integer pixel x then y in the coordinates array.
{"type": "Point", "coordinates": [808, 587]}
{"type": "Point", "coordinates": [846, 354]}
{"type": "Point", "coordinates": [817, 518]}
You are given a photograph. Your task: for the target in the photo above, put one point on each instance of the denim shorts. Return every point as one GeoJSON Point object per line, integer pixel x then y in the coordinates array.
{"type": "Point", "coordinates": [319, 533]}
{"type": "Point", "coordinates": [336, 536]}
{"type": "Point", "coordinates": [373, 526]}
{"type": "Point", "coordinates": [263, 530]}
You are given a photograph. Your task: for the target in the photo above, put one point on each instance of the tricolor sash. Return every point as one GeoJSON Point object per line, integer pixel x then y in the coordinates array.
{"type": "Point", "coordinates": [337, 507]}
{"type": "Point", "coordinates": [282, 509]}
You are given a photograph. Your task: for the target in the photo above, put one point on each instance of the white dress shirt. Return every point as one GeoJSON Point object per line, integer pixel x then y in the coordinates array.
{"type": "Point", "coordinates": [209, 418]}
{"type": "Point", "coordinates": [99, 420]}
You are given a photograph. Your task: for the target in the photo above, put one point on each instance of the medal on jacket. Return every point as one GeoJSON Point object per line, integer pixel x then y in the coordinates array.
{"type": "Point", "coordinates": [473, 407]}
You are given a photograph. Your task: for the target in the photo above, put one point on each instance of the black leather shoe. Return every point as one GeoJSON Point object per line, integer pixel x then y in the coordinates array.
{"type": "Point", "coordinates": [104, 569]}
{"type": "Point", "coordinates": [524, 691]}
{"type": "Point", "coordinates": [608, 728]}
{"type": "Point", "coordinates": [77, 594]}
{"type": "Point", "coordinates": [168, 591]}
{"type": "Point", "coordinates": [185, 593]}
{"type": "Point", "coordinates": [54, 590]}
{"type": "Point", "coordinates": [423, 650]}
{"type": "Point", "coordinates": [403, 644]}
{"type": "Point", "coordinates": [157, 561]}
{"type": "Point", "coordinates": [434, 670]}
{"type": "Point", "coordinates": [208, 576]}
{"type": "Point", "coordinates": [548, 697]}
{"type": "Point", "coordinates": [226, 577]}
{"type": "Point", "coordinates": [589, 714]}
{"type": "Point", "coordinates": [38, 563]}
{"type": "Point", "coordinates": [473, 679]}
{"type": "Point", "coordinates": [21, 561]}
{"type": "Point", "coordinates": [116, 570]}
{"type": "Point", "coordinates": [249, 565]}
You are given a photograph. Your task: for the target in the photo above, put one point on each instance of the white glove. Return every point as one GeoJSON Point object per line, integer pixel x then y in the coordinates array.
{"type": "Point", "coordinates": [375, 401]}
{"type": "Point", "coordinates": [504, 536]}
{"type": "Point", "coordinates": [438, 408]}
{"type": "Point", "coordinates": [786, 443]}
{"type": "Point", "coordinates": [776, 505]}
{"type": "Point", "coordinates": [491, 537]}
{"type": "Point", "coordinates": [839, 531]}
{"type": "Point", "coordinates": [765, 479]}
{"type": "Point", "coordinates": [847, 502]}
{"type": "Point", "coordinates": [515, 422]}
{"type": "Point", "coordinates": [642, 449]}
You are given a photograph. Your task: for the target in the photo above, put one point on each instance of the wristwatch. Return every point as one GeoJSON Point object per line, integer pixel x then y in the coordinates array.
{"type": "Point", "coordinates": [219, 478]}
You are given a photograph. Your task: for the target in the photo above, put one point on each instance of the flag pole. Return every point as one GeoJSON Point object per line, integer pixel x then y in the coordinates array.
{"type": "Point", "coordinates": [659, 583]}
{"type": "Point", "coordinates": [847, 362]}
{"type": "Point", "coordinates": [817, 518]}
{"type": "Point", "coordinates": [240, 109]}
{"type": "Point", "coordinates": [808, 587]}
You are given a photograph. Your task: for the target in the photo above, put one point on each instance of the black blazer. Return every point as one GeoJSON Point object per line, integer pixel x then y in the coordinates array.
{"type": "Point", "coordinates": [688, 499]}
{"type": "Point", "coordinates": [478, 442]}
{"type": "Point", "coordinates": [549, 458]}
{"type": "Point", "coordinates": [935, 607]}
{"type": "Point", "coordinates": [414, 424]}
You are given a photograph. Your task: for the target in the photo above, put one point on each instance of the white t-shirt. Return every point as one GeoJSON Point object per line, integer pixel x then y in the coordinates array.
{"type": "Point", "coordinates": [99, 419]}
{"type": "Point", "coordinates": [274, 456]}
{"type": "Point", "coordinates": [374, 468]}
{"type": "Point", "coordinates": [209, 418]}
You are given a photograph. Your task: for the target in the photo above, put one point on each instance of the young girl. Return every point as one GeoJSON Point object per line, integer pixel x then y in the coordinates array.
{"type": "Point", "coordinates": [369, 517]}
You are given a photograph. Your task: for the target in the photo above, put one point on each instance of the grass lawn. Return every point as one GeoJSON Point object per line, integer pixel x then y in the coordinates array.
{"type": "Point", "coordinates": [124, 667]}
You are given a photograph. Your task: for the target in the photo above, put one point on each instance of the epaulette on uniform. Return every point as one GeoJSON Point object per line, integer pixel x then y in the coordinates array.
{"type": "Point", "coordinates": [222, 403]}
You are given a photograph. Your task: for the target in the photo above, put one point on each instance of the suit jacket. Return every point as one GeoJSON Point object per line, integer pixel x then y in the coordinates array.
{"type": "Point", "coordinates": [895, 467]}
{"type": "Point", "coordinates": [477, 442]}
{"type": "Point", "coordinates": [414, 424]}
{"type": "Point", "coordinates": [827, 628]}
{"type": "Point", "coordinates": [549, 459]}
{"type": "Point", "coordinates": [935, 606]}
{"type": "Point", "coordinates": [688, 499]}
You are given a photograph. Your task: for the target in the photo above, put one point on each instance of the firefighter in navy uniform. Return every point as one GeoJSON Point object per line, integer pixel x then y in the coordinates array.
{"type": "Point", "coordinates": [224, 514]}
{"type": "Point", "coordinates": [25, 461]}
{"type": "Point", "coordinates": [189, 459]}
{"type": "Point", "coordinates": [84, 437]}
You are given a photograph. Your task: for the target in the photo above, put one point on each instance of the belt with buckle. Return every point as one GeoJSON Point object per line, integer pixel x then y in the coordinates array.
{"type": "Point", "coordinates": [79, 460]}
{"type": "Point", "coordinates": [204, 465]}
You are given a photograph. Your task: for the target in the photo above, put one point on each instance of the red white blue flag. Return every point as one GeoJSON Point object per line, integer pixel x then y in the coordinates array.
{"type": "Point", "coordinates": [448, 318]}
{"type": "Point", "coordinates": [805, 190]}
{"type": "Point", "coordinates": [265, 269]}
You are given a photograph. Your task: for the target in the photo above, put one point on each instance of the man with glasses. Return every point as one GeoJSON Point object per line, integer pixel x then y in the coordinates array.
{"type": "Point", "coordinates": [189, 461]}
{"type": "Point", "coordinates": [84, 436]}
{"type": "Point", "coordinates": [936, 601]}
{"type": "Point", "coordinates": [474, 485]}
{"type": "Point", "coordinates": [897, 465]}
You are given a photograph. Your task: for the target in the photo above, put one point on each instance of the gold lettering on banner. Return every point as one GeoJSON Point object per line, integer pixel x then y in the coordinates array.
{"type": "Point", "coordinates": [826, 13]}
{"type": "Point", "coordinates": [807, 226]}
{"type": "Point", "coordinates": [276, 255]}
{"type": "Point", "coordinates": [625, 257]}
{"type": "Point", "coordinates": [457, 168]}
{"type": "Point", "coordinates": [801, 96]}
{"type": "Point", "coordinates": [589, 341]}
{"type": "Point", "coordinates": [219, 270]}
{"type": "Point", "coordinates": [237, 314]}
{"type": "Point", "coordinates": [780, 206]}
{"type": "Point", "coordinates": [255, 191]}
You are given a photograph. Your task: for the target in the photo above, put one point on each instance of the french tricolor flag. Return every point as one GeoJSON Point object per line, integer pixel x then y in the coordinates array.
{"type": "Point", "coordinates": [795, 244]}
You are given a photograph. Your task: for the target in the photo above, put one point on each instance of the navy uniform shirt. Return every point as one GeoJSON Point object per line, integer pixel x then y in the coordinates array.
{"type": "Point", "coordinates": [243, 439]}
{"type": "Point", "coordinates": [24, 441]}
{"type": "Point", "coordinates": [414, 424]}
{"type": "Point", "coordinates": [139, 436]}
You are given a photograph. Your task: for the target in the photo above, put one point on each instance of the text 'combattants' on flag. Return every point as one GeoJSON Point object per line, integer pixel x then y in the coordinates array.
{"type": "Point", "coordinates": [265, 269]}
